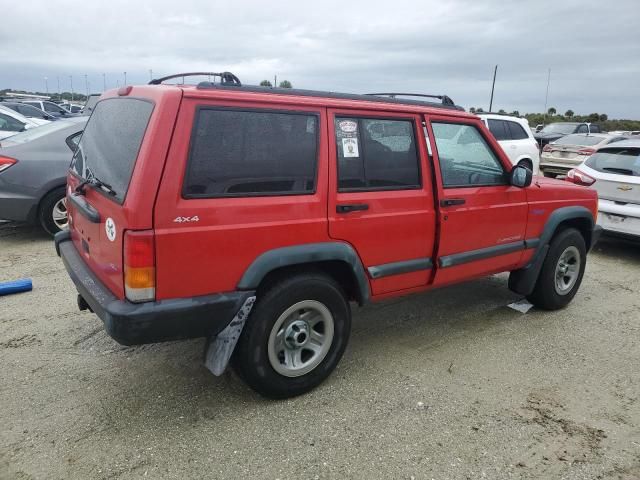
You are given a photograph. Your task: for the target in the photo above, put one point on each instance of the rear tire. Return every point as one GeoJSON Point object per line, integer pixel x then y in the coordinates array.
{"type": "Point", "coordinates": [562, 271]}
{"type": "Point", "coordinates": [294, 337]}
{"type": "Point", "coordinates": [52, 215]}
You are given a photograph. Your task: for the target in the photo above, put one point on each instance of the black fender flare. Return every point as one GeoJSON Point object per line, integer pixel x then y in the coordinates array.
{"type": "Point", "coordinates": [523, 280]}
{"type": "Point", "coordinates": [304, 254]}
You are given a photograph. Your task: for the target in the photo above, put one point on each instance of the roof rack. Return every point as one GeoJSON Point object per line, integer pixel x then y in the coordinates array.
{"type": "Point", "coordinates": [448, 104]}
{"type": "Point", "coordinates": [226, 78]}
{"type": "Point", "coordinates": [444, 98]}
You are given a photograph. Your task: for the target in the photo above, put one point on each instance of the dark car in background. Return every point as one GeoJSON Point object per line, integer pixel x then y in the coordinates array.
{"type": "Point", "coordinates": [33, 169]}
{"type": "Point", "coordinates": [29, 111]}
{"type": "Point", "coordinates": [554, 131]}
{"type": "Point", "coordinates": [50, 107]}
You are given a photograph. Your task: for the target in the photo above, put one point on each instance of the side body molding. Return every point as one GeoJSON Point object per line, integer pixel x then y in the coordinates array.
{"type": "Point", "coordinates": [307, 253]}
{"type": "Point", "coordinates": [523, 281]}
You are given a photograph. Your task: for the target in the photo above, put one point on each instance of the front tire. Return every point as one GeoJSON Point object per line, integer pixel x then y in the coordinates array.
{"type": "Point", "coordinates": [53, 211]}
{"type": "Point", "coordinates": [294, 337]}
{"type": "Point", "coordinates": [562, 271]}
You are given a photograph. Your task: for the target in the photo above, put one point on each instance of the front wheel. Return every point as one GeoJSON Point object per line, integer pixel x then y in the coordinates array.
{"type": "Point", "coordinates": [53, 211]}
{"type": "Point", "coordinates": [562, 271]}
{"type": "Point", "coordinates": [294, 337]}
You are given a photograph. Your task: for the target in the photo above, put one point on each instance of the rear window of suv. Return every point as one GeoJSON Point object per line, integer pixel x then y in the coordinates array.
{"type": "Point", "coordinates": [109, 146]}
{"type": "Point", "coordinates": [237, 153]}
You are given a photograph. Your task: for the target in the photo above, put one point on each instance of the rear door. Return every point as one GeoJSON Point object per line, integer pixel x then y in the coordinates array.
{"type": "Point", "coordinates": [482, 217]}
{"type": "Point", "coordinates": [124, 145]}
{"type": "Point", "coordinates": [380, 196]}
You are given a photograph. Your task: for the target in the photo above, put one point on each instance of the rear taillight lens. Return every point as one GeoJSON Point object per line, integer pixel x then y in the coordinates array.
{"type": "Point", "coordinates": [586, 151]}
{"type": "Point", "coordinates": [579, 178]}
{"type": "Point", "coordinates": [547, 148]}
{"type": "Point", "coordinates": [139, 266]}
{"type": "Point", "coordinates": [6, 162]}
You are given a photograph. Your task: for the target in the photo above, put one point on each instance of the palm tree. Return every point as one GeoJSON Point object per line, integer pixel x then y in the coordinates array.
{"type": "Point", "coordinates": [265, 83]}
{"type": "Point", "coordinates": [551, 111]}
{"type": "Point", "coordinates": [285, 84]}
{"type": "Point", "coordinates": [568, 113]}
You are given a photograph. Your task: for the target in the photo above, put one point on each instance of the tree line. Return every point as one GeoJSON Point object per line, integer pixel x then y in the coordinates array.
{"type": "Point", "coordinates": [552, 116]}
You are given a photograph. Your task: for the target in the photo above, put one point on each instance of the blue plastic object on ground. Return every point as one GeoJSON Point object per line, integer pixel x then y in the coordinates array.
{"type": "Point", "coordinates": [17, 286]}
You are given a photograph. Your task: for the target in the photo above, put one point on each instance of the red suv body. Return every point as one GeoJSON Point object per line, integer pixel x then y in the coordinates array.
{"type": "Point", "coordinates": [187, 203]}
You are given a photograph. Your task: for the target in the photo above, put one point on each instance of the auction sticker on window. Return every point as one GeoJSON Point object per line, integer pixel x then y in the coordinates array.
{"type": "Point", "coordinates": [348, 126]}
{"type": "Point", "coordinates": [350, 147]}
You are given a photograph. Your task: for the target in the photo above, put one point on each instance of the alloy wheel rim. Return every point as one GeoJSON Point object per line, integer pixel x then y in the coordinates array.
{"type": "Point", "coordinates": [59, 214]}
{"type": "Point", "coordinates": [567, 270]}
{"type": "Point", "coordinates": [300, 338]}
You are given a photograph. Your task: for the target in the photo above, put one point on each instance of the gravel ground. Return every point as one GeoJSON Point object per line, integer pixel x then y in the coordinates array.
{"type": "Point", "coordinates": [450, 384]}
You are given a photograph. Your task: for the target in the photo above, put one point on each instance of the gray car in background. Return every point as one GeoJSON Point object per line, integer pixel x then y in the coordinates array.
{"type": "Point", "coordinates": [33, 171]}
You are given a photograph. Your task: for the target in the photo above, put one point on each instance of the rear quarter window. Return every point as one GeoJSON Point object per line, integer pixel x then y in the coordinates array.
{"type": "Point", "coordinates": [517, 132]}
{"type": "Point", "coordinates": [237, 153]}
{"type": "Point", "coordinates": [109, 146]}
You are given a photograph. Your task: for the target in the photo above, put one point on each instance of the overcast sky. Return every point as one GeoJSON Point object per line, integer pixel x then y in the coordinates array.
{"type": "Point", "coordinates": [592, 48]}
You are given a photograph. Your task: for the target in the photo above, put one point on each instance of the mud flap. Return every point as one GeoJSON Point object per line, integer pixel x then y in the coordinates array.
{"type": "Point", "coordinates": [220, 347]}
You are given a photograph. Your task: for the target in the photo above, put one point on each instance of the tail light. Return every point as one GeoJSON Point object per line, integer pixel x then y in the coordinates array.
{"type": "Point", "coordinates": [547, 148]}
{"type": "Point", "coordinates": [6, 162]}
{"type": "Point", "coordinates": [580, 178]}
{"type": "Point", "coordinates": [139, 266]}
{"type": "Point", "coordinates": [586, 151]}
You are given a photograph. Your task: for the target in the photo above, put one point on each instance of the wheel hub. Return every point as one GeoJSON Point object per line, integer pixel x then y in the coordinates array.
{"type": "Point", "coordinates": [297, 334]}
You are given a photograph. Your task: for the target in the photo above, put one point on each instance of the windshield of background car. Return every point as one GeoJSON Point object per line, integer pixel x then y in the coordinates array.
{"type": "Point", "coordinates": [580, 140]}
{"type": "Point", "coordinates": [110, 143]}
{"type": "Point", "coordinates": [38, 132]}
{"type": "Point", "coordinates": [623, 161]}
{"type": "Point", "coordinates": [558, 128]}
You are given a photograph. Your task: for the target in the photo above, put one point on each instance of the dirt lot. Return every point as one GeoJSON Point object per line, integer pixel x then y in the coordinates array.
{"type": "Point", "coordinates": [450, 384]}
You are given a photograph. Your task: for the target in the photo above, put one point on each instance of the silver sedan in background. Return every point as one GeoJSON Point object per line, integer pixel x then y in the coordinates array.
{"type": "Point", "coordinates": [33, 171]}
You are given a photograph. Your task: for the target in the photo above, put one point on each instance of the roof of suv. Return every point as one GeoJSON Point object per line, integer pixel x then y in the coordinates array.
{"type": "Point", "coordinates": [502, 116]}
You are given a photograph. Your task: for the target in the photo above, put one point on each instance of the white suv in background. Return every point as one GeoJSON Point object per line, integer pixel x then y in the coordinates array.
{"type": "Point", "coordinates": [515, 137]}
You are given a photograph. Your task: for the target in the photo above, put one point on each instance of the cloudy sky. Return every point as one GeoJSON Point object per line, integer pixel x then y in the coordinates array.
{"type": "Point", "coordinates": [592, 48]}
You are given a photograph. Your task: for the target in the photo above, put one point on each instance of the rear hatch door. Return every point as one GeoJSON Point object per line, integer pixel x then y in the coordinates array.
{"type": "Point", "coordinates": [119, 160]}
{"type": "Point", "coordinates": [618, 177]}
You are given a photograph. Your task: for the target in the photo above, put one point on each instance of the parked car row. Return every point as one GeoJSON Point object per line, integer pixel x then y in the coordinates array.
{"type": "Point", "coordinates": [12, 122]}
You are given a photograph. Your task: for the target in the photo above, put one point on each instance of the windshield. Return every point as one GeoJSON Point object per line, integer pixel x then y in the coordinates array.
{"type": "Point", "coordinates": [580, 140]}
{"type": "Point", "coordinates": [110, 143]}
{"type": "Point", "coordinates": [559, 128]}
{"type": "Point", "coordinates": [623, 161]}
{"type": "Point", "coordinates": [37, 132]}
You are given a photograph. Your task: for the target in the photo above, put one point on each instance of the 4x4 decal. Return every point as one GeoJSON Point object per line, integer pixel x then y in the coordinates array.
{"type": "Point", "coordinates": [195, 218]}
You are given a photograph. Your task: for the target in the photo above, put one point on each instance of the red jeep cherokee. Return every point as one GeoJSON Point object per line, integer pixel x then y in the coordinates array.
{"type": "Point", "coordinates": [188, 203]}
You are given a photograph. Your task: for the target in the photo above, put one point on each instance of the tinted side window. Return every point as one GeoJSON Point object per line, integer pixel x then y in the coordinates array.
{"type": "Point", "coordinates": [376, 154]}
{"type": "Point", "coordinates": [582, 129]}
{"type": "Point", "coordinates": [499, 129]}
{"type": "Point", "coordinates": [517, 132]}
{"type": "Point", "coordinates": [242, 153]}
{"type": "Point", "coordinates": [10, 124]}
{"type": "Point", "coordinates": [595, 128]}
{"type": "Point", "coordinates": [465, 158]}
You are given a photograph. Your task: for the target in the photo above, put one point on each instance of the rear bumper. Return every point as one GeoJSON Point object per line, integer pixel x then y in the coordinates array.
{"type": "Point", "coordinates": [134, 324]}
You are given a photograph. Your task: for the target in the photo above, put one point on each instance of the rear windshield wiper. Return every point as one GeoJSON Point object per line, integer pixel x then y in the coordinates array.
{"type": "Point", "coordinates": [624, 171]}
{"type": "Point", "coordinates": [95, 182]}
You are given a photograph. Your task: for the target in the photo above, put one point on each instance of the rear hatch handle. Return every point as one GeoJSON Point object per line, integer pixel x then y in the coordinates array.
{"type": "Point", "coordinates": [84, 207]}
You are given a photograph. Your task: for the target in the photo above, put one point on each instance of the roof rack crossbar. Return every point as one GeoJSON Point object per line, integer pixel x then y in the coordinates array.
{"type": "Point", "coordinates": [226, 78]}
{"type": "Point", "coordinates": [444, 98]}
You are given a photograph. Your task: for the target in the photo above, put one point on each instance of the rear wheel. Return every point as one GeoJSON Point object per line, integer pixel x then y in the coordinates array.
{"type": "Point", "coordinates": [526, 163]}
{"type": "Point", "coordinates": [562, 271]}
{"type": "Point", "coordinates": [53, 211]}
{"type": "Point", "coordinates": [294, 337]}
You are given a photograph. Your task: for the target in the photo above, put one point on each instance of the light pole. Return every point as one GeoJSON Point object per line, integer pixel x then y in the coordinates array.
{"type": "Point", "coordinates": [58, 79]}
{"type": "Point", "coordinates": [71, 83]}
{"type": "Point", "coordinates": [125, 79]}
{"type": "Point", "coordinates": [104, 82]}
{"type": "Point", "coordinates": [46, 84]}
{"type": "Point", "coordinates": [86, 84]}
{"type": "Point", "coordinates": [493, 86]}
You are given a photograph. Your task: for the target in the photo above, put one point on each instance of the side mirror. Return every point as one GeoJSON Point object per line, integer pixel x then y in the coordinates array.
{"type": "Point", "coordinates": [521, 176]}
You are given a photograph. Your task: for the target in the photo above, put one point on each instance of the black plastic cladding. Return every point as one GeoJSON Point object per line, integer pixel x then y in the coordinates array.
{"type": "Point", "coordinates": [318, 93]}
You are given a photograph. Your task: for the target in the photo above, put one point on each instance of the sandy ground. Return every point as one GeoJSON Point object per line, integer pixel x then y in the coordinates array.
{"type": "Point", "coordinates": [450, 384]}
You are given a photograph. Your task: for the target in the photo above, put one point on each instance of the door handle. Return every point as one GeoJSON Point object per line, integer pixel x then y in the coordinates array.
{"type": "Point", "coordinates": [352, 208]}
{"type": "Point", "coordinates": [449, 202]}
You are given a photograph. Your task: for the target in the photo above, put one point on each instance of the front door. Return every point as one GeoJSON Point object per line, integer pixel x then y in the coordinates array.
{"type": "Point", "coordinates": [482, 217]}
{"type": "Point", "coordinates": [379, 200]}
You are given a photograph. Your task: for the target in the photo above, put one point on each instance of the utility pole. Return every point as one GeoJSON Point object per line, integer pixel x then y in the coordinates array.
{"type": "Point", "coordinates": [493, 86]}
{"type": "Point", "coordinates": [275, 81]}
{"type": "Point", "coordinates": [546, 98]}
{"type": "Point", "coordinates": [71, 82]}
{"type": "Point", "coordinates": [46, 84]}
{"type": "Point", "coordinates": [58, 79]}
{"type": "Point", "coordinates": [104, 82]}
{"type": "Point", "coordinates": [86, 84]}
{"type": "Point", "coordinates": [125, 79]}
